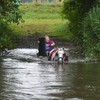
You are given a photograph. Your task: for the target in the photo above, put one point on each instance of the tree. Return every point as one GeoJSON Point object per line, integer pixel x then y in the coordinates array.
{"type": "Point", "coordinates": [9, 12]}
{"type": "Point", "coordinates": [74, 11]}
{"type": "Point", "coordinates": [80, 13]}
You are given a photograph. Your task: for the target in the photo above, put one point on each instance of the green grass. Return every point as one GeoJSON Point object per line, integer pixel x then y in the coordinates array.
{"type": "Point", "coordinates": [41, 12]}
{"type": "Point", "coordinates": [43, 19]}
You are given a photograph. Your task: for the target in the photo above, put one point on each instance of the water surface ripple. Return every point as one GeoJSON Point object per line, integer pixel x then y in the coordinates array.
{"type": "Point", "coordinates": [24, 80]}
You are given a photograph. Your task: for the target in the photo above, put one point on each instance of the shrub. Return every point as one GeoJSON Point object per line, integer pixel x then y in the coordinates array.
{"type": "Point", "coordinates": [84, 17]}
{"type": "Point", "coordinates": [9, 12]}
{"type": "Point", "coordinates": [91, 33]}
{"type": "Point", "coordinates": [74, 11]}
{"type": "Point", "coordinates": [6, 36]}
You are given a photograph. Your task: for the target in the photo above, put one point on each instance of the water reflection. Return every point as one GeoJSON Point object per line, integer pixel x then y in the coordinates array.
{"type": "Point", "coordinates": [87, 84]}
{"type": "Point", "coordinates": [33, 81]}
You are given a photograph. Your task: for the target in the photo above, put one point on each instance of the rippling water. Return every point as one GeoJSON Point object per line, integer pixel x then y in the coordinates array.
{"type": "Point", "coordinates": [22, 77]}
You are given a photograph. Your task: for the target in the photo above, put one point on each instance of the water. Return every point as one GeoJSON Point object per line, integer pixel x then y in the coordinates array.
{"type": "Point", "coordinates": [23, 77]}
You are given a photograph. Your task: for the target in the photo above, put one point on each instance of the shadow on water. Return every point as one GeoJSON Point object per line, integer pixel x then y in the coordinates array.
{"type": "Point", "coordinates": [22, 80]}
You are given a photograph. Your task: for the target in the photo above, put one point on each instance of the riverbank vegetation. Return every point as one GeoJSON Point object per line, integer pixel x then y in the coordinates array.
{"type": "Point", "coordinates": [9, 13]}
{"type": "Point", "coordinates": [84, 17]}
{"type": "Point", "coordinates": [37, 19]}
{"type": "Point", "coordinates": [75, 20]}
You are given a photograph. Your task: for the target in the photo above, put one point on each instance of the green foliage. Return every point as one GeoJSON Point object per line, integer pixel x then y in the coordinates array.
{"type": "Point", "coordinates": [6, 36]}
{"type": "Point", "coordinates": [74, 11]}
{"type": "Point", "coordinates": [41, 19]}
{"type": "Point", "coordinates": [84, 17]}
{"type": "Point", "coordinates": [91, 27]}
{"type": "Point", "coordinates": [9, 12]}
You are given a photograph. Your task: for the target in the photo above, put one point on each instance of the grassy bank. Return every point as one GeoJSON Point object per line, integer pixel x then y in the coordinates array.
{"type": "Point", "coordinates": [44, 19]}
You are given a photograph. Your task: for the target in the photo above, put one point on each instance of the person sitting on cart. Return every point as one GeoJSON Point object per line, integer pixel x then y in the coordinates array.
{"type": "Point", "coordinates": [50, 45]}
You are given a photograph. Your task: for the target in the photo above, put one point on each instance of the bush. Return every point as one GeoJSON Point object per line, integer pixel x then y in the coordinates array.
{"type": "Point", "coordinates": [84, 17]}
{"type": "Point", "coordinates": [91, 33]}
{"type": "Point", "coordinates": [74, 11]}
{"type": "Point", "coordinates": [9, 13]}
{"type": "Point", "coordinates": [6, 36]}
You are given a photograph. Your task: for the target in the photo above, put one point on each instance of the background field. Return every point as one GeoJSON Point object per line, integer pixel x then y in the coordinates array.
{"type": "Point", "coordinates": [43, 19]}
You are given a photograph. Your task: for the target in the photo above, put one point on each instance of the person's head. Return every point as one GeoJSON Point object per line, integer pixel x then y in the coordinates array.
{"type": "Point", "coordinates": [47, 38]}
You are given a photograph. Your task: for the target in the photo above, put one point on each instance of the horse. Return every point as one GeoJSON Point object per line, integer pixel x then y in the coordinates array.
{"type": "Point", "coordinates": [59, 55]}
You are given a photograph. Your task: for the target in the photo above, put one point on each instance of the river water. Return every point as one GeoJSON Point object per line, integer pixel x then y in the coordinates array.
{"type": "Point", "coordinates": [23, 77]}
